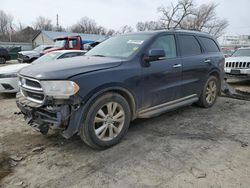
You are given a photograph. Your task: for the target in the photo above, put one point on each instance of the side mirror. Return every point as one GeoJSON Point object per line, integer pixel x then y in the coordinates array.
{"type": "Point", "coordinates": [155, 54]}
{"type": "Point", "coordinates": [70, 44]}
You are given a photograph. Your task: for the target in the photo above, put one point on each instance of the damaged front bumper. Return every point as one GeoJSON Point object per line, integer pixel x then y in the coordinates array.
{"type": "Point", "coordinates": [53, 115]}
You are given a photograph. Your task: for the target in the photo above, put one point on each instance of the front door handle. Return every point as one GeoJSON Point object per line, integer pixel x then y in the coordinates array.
{"type": "Point", "coordinates": [207, 61]}
{"type": "Point", "coordinates": [177, 65]}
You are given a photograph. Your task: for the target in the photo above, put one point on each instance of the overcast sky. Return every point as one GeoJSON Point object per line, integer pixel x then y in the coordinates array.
{"type": "Point", "coordinates": [116, 13]}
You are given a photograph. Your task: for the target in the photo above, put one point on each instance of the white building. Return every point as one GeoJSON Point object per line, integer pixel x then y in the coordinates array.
{"type": "Point", "coordinates": [236, 41]}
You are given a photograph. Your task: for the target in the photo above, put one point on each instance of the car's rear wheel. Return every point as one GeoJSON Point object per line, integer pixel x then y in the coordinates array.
{"type": "Point", "coordinates": [2, 60]}
{"type": "Point", "coordinates": [106, 121]}
{"type": "Point", "coordinates": [209, 93]}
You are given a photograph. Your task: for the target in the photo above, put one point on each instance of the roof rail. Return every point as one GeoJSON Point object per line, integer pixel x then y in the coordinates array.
{"type": "Point", "coordinates": [176, 28]}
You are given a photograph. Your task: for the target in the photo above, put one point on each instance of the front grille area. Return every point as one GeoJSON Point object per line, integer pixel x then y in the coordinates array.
{"type": "Point", "coordinates": [19, 55]}
{"type": "Point", "coordinates": [240, 65]}
{"type": "Point", "coordinates": [31, 89]}
{"type": "Point", "coordinates": [33, 83]}
{"type": "Point", "coordinates": [36, 96]}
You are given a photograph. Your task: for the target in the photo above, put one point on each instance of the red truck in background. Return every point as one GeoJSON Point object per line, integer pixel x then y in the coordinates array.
{"type": "Point", "coordinates": [71, 43]}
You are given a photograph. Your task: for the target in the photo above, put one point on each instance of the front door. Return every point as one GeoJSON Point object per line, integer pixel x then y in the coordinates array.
{"type": "Point", "coordinates": [162, 79]}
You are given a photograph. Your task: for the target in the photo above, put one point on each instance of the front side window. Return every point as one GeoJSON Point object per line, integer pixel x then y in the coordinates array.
{"type": "Point", "coordinates": [166, 43]}
{"type": "Point", "coordinates": [189, 45]}
{"type": "Point", "coordinates": [74, 42]}
{"type": "Point", "coordinates": [121, 46]}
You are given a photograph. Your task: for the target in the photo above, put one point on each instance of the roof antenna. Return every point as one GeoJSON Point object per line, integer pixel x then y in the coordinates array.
{"type": "Point", "coordinates": [57, 23]}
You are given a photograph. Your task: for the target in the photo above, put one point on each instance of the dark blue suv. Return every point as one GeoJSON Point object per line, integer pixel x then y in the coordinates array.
{"type": "Point", "coordinates": [138, 75]}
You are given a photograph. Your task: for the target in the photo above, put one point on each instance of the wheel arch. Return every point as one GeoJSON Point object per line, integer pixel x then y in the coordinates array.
{"type": "Point", "coordinates": [216, 73]}
{"type": "Point", "coordinates": [122, 90]}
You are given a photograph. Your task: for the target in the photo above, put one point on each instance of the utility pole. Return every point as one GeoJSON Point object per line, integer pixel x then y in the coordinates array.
{"type": "Point", "coordinates": [57, 23]}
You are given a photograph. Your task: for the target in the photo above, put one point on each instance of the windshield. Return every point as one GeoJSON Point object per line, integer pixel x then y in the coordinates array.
{"type": "Point", "coordinates": [38, 49]}
{"type": "Point", "coordinates": [60, 43]}
{"type": "Point", "coordinates": [121, 46]}
{"type": "Point", "coordinates": [47, 57]}
{"type": "Point", "coordinates": [241, 52]}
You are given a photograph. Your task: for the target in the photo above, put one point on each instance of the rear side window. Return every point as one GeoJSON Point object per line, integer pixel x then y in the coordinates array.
{"type": "Point", "coordinates": [189, 45]}
{"type": "Point", "coordinates": [209, 44]}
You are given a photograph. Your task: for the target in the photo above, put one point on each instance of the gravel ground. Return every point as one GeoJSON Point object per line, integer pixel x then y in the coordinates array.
{"type": "Point", "coordinates": [189, 147]}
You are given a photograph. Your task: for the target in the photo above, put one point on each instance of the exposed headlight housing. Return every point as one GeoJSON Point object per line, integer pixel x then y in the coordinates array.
{"type": "Point", "coordinates": [60, 89]}
{"type": "Point", "coordinates": [10, 75]}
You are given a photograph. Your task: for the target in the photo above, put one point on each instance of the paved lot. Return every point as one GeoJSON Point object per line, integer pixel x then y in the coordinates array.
{"type": "Point", "coordinates": [190, 147]}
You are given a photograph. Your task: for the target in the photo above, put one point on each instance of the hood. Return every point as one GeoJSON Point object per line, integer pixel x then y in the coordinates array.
{"type": "Point", "coordinates": [65, 68]}
{"type": "Point", "coordinates": [52, 49]}
{"type": "Point", "coordinates": [27, 53]}
{"type": "Point", "coordinates": [238, 59]}
{"type": "Point", "coordinates": [10, 69]}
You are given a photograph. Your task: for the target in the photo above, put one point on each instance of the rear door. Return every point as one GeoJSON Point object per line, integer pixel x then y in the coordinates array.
{"type": "Point", "coordinates": [162, 79]}
{"type": "Point", "coordinates": [194, 70]}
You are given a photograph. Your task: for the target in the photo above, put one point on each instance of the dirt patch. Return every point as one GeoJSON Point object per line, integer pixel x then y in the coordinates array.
{"type": "Point", "coordinates": [5, 165]}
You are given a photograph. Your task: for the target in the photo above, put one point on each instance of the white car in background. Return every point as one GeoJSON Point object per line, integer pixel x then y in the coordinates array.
{"type": "Point", "coordinates": [30, 56]}
{"type": "Point", "coordinates": [8, 74]}
{"type": "Point", "coordinates": [238, 64]}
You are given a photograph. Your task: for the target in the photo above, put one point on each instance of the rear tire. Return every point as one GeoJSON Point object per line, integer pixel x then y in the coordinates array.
{"type": "Point", "coordinates": [209, 93]}
{"type": "Point", "coordinates": [106, 121]}
{"type": "Point", "coordinates": [2, 60]}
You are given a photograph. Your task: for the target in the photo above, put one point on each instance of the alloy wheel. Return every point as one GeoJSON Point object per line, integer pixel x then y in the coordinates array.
{"type": "Point", "coordinates": [109, 121]}
{"type": "Point", "coordinates": [211, 92]}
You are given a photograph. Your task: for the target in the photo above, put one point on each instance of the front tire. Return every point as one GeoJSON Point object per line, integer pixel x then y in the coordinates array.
{"type": "Point", "coordinates": [106, 121]}
{"type": "Point", "coordinates": [209, 93]}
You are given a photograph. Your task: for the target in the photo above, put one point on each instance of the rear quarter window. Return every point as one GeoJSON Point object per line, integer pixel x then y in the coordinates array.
{"type": "Point", "coordinates": [189, 45]}
{"type": "Point", "coordinates": [209, 44]}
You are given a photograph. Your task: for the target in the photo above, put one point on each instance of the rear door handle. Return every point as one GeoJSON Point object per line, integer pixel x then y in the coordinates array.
{"type": "Point", "coordinates": [177, 65]}
{"type": "Point", "coordinates": [207, 61]}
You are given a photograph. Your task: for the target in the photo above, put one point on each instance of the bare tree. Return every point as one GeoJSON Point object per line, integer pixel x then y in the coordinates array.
{"type": "Point", "coordinates": [6, 24]}
{"type": "Point", "coordinates": [185, 14]}
{"type": "Point", "coordinates": [85, 25]}
{"type": "Point", "coordinates": [149, 25]}
{"type": "Point", "coordinates": [125, 29]}
{"type": "Point", "coordinates": [173, 15]}
{"type": "Point", "coordinates": [24, 35]}
{"type": "Point", "coordinates": [89, 26]}
{"type": "Point", "coordinates": [204, 19]}
{"type": "Point", "coordinates": [43, 23]}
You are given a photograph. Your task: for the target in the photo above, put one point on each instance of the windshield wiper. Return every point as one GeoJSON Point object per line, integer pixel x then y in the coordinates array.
{"type": "Point", "coordinates": [99, 55]}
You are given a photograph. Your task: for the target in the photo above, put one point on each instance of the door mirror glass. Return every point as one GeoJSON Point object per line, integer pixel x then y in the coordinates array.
{"type": "Point", "coordinates": [155, 54]}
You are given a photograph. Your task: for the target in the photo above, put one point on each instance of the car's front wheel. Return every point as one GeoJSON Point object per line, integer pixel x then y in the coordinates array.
{"type": "Point", "coordinates": [209, 93]}
{"type": "Point", "coordinates": [106, 121]}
